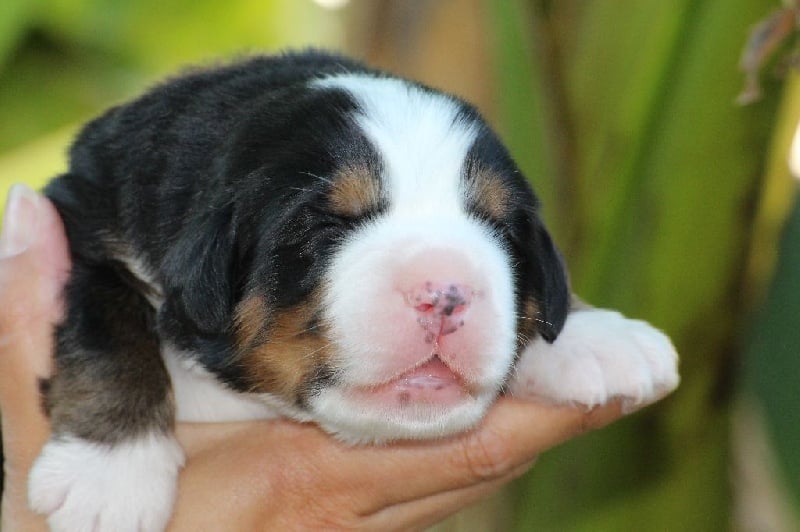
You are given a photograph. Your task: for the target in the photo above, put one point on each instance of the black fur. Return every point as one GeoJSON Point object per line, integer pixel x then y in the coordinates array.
{"type": "Point", "coordinates": [540, 272]}
{"type": "Point", "coordinates": [211, 182]}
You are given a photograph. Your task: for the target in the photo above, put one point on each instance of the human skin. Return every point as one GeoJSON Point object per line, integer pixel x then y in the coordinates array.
{"type": "Point", "coordinates": [270, 475]}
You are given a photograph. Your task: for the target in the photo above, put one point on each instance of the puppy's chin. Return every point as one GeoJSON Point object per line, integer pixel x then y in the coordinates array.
{"type": "Point", "coordinates": [428, 401]}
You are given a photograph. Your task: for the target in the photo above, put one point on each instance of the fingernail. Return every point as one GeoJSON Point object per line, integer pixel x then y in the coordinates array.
{"type": "Point", "coordinates": [20, 221]}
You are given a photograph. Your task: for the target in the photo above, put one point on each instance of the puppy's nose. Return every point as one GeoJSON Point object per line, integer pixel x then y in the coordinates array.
{"type": "Point", "coordinates": [441, 307]}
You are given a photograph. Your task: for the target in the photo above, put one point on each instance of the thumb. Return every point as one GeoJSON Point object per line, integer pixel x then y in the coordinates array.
{"type": "Point", "coordinates": [34, 263]}
{"type": "Point", "coordinates": [34, 259]}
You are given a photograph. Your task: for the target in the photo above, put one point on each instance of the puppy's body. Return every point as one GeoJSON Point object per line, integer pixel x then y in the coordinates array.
{"type": "Point", "coordinates": [302, 236]}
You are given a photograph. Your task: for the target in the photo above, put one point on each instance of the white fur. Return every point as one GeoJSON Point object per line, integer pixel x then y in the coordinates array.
{"type": "Point", "coordinates": [420, 141]}
{"type": "Point", "coordinates": [137, 267]}
{"type": "Point", "coordinates": [129, 487]}
{"type": "Point", "coordinates": [600, 355]}
{"type": "Point", "coordinates": [201, 397]}
{"type": "Point", "coordinates": [353, 422]}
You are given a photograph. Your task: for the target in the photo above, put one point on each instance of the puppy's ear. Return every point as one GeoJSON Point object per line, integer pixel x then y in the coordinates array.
{"type": "Point", "coordinates": [198, 277]}
{"type": "Point", "coordinates": [546, 277]}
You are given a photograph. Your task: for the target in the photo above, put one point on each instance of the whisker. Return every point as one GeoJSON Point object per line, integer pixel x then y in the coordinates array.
{"type": "Point", "coordinates": [536, 319]}
{"type": "Point", "coordinates": [304, 331]}
{"type": "Point", "coordinates": [315, 351]}
{"type": "Point", "coordinates": [286, 339]}
{"type": "Point", "coordinates": [323, 179]}
{"type": "Point", "coordinates": [524, 337]}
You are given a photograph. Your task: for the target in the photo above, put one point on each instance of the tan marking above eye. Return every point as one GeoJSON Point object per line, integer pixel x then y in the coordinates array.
{"type": "Point", "coordinates": [489, 193]}
{"type": "Point", "coordinates": [355, 191]}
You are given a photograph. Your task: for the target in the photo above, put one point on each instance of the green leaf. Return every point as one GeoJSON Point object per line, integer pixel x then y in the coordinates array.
{"type": "Point", "coordinates": [773, 357]}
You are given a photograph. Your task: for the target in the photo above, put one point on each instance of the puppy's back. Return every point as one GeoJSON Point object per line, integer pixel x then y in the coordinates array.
{"type": "Point", "coordinates": [139, 168]}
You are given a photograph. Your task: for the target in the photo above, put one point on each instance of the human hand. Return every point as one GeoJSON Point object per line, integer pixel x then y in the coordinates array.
{"type": "Point", "coordinates": [255, 475]}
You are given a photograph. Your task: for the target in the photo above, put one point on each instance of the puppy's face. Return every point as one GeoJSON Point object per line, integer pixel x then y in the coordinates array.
{"type": "Point", "coordinates": [396, 264]}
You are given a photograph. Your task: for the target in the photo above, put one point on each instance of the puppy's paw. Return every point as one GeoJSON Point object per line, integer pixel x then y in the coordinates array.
{"type": "Point", "coordinates": [600, 355]}
{"type": "Point", "coordinates": [85, 486]}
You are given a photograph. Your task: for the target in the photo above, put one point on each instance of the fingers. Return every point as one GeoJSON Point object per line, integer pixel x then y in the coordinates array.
{"type": "Point", "coordinates": [513, 433]}
{"type": "Point", "coordinates": [275, 475]}
{"type": "Point", "coordinates": [423, 513]}
{"type": "Point", "coordinates": [34, 258]}
{"type": "Point", "coordinates": [299, 469]}
{"type": "Point", "coordinates": [425, 482]}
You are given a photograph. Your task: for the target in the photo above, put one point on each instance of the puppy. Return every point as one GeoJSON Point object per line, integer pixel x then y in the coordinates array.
{"type": "Point", "coordinates": [302, 236]}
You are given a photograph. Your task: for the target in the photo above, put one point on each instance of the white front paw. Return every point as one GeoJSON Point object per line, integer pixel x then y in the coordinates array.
{"type": "Point", "coordinates": [83, 486]}
{"type": "Point", "coordinates": [599, 355]}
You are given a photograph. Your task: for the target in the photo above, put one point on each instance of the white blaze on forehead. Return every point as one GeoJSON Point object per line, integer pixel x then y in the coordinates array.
{"type": "Point", "coordinates": [420, 137]}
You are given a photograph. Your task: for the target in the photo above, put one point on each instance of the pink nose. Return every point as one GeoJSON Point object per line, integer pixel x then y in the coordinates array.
{"type": "Point", "coordinates": [441, 307]}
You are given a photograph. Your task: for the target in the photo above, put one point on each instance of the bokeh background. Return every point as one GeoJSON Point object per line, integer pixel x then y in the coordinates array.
{"type": "Point", "coordinates": [670, 202]}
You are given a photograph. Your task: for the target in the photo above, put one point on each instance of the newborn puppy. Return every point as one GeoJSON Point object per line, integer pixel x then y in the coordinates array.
{"type": "Point", "coordinates": [302, 236]}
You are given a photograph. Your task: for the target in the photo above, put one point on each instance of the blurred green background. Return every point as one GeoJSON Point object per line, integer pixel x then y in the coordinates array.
{"type": "Point", "coordinates": [670, 202]}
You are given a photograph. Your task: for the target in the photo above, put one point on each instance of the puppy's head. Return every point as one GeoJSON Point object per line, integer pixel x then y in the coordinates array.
{"type": "Point", "coordinates": [387, 260]}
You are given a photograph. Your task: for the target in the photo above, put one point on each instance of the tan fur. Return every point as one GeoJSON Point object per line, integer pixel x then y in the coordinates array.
{"type": "Point", "coordinates": [489, 193]}
{"type": "Point", "coordinates": [249, 320]}
{"type": "Point", "coordinates": [355, 191]}
{"type": "Point", "coordinates": [280, 355]}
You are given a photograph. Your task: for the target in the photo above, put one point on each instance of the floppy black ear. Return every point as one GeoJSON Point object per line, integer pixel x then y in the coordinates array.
{"type": "Point", "coordinates": [548, 280]}
{"type": "Point", "coordinates": [198, 277]}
